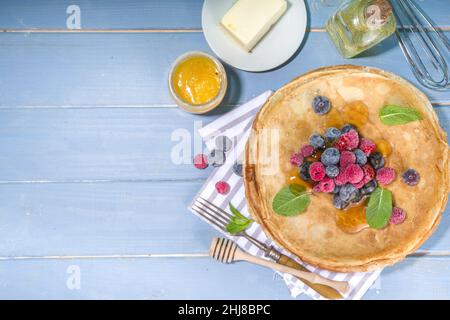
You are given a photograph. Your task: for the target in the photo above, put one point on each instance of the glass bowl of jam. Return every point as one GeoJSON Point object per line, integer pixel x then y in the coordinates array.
{"type": "Point", "coordinates": [197, 82]}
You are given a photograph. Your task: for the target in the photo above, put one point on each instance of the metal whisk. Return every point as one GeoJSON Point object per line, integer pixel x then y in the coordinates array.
{"type": "Point", "coordinates": [424, 46]}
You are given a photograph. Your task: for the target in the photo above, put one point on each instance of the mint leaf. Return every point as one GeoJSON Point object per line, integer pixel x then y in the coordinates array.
{"type": "Point", "coordinates": [238, 221]}
{"type": "Point", "coordinates": [379, 209]}
{"type": "Point", "coordinates": [290, 201]}
{"type": "Point", "coordinates": [392, 115]}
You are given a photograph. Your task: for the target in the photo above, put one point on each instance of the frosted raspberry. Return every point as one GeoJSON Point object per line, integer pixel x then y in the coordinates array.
{"type": "Point", "coordinates": [222, 187]}
{"type": "Point", "coordinates": [307, 150]}
{"type": "Point", "coordinates": [369, 172]}
{"type": "Point", "coordinates": [201, 161]}
{"type": "Point", "coordinates": [348, 141]}
{"type": "Point", "coordinates": [296, 159]}
{"type": "Point", "coordinates": [347, 157]}
{"type": "Point", "coordinates": [354, 173]}
{"type": "Point", "coordinates": [367, 146]}
{"type": "Point", "coordinates": [385, 175]}
{"type": "Point", "coordinates": [360, 184]}
{"type": "Point", "coordinates": [341, 179]}
{"type": "Point", "coordinates": [398, 216]}
{"type": "Point", "coordinates": [317, 171]}
{"type": "Point", "coordinates": [326, 185]}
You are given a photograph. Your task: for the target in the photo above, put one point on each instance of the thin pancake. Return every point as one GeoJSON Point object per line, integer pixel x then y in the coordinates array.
{"type": "Point", "coordinates": [314, 235]}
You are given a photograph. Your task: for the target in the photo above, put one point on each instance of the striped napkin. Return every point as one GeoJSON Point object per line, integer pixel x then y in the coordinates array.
{"type": "Point", "coordinates": [236, 125]}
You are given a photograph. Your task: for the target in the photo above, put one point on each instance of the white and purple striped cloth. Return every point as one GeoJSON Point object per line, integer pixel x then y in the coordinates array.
{"type": "Point", "coordinates": [236, 125]}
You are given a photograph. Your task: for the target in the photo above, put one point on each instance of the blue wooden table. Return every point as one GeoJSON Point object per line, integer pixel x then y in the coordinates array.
{"type": "Point", "coordinates": [91, 206]}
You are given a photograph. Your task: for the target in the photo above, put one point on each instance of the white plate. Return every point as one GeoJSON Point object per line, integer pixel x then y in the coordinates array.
{"type": "Point", "coordinates": [277, 46]}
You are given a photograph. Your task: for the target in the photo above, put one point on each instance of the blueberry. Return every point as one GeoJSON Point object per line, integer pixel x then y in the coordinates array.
{"type": "Point", "coordinates": [376, 160]}
{"type": "Point", "coordinates": [338, 203]}
{"type": "Point", "coordinates": [321, 105]}
{"type": "Point", "coordinates": [223, 143]}
{"type": "Point", "coordinates": [411, 177]}
{"type": "Point", "coordinates": [346, 128]}
{"type": "Point", "coordinates": [332, 134]}
{"type": "Point", "coordinates": [336, 189]}
{"type": "Point", "coordinates": [361, 157]}
{"type": "Point", "coordinates": [348, 192]}
{"type": "Point", "coordinates": [304, 171]}
{"type": "Point", "coordinates": [216, 158]}
{"type": "Point", "coordinates": [317, 141]}
{"type": "Point", "coordinates": [332, 171]}
{"type": "Point", "coordinates": [369, 187]}
{"type": "Point", "coordinates": [237, 168]}
{"type": "Point", "coordinates": [330, 156]}
{"type": "Point", "coordinates": [358, 196]}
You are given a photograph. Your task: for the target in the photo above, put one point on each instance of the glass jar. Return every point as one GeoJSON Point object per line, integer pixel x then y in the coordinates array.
{"type": "Point", "coordinates": [360, 24]}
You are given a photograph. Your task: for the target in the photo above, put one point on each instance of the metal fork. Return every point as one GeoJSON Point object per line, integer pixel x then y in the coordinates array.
{"type": "Point", "coordinates": [220, 218]}
{"type": "Point", "coordinates": [429, 40]}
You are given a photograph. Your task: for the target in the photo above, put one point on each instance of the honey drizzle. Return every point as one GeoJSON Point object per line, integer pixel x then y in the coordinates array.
{"type": "Point", "coordinates": [294, 178]}
{"type": "Point", "coordinates": [353, 219]}
{"type": "Point", "coordinates": [356, 113]}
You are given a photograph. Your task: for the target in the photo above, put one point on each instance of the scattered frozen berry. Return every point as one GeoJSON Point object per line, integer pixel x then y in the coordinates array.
{"type": "Point", "coordinates": [360, 184]}
{"type": "Point", "coordinates": [348, 141]}
{"type": "Point", "coordinates": [330, 156]}
{"type": "Point", "coordinates": [347, 158]}
{"type": "Point", "coordinates": [361, 157]}
{"type": "Point", "coordinates": [307, 150]}
{"type": "Point", "coordinates": [332, 171]}
{"type": "Point", "coordinates": [296, 159]}
{"type": "Point", "coordinates": [338, 203]}
{"type": "Point", "coordinates": [369, 187]}
{"type": "Point", "coordinates": [367, 146]}
{"type": "Point", "coordinates": [411, 177]}
{"type": "Point", "coordinates": [317, 171]}
{"type": "Point", "coordinates": [321, 105]}
{"type": "Point", "coordinates": [304, 171]}
{"type": "Point", "coordinates": [398, 216]}
{"type": "Point", "coordinates": [376, 160]}
{"type": "Point", "coordinates": [332, 134]}
{"type": "Point", "coordinates": [385, 175]}
{"type": "Point", "coordinates": [201, 161]}
{"type": "Point", "coordinates": [326, 185]}
{"type": "Point", "coordinates": [216, 158]}
{"type": "Point", "coordinates": [222, 187]}
{"type": "Point", "coordinates": [346, 128]}
{"type": "Point", "coordinates": [336, 189]}
{"type": "Point", "coordinates": [340, 179]}
{"type": "Point", "coordinates": [317, 141]}
{"type": "Point", "coordinates": [348, 192]}
{"type": "Point", "coordinates": [357, 198]}
{"type": "Point", "coordinates": [237, 169]}
{"type": "Point", "coordinates": [369, 173]}
{"type": "Point", "coordinates": [223, 143]}
{"type": "Point", "coordinates": [354, 173]}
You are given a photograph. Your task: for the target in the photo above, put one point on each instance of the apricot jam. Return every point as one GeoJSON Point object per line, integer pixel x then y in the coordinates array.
{"type": "Point", "coordinates": [196, 80]}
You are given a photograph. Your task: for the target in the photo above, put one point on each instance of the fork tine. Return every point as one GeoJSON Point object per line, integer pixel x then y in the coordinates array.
{"type": "Point", "coordinates": [218, 208]}
{"type": "Point", "coordinates": [219, 224]}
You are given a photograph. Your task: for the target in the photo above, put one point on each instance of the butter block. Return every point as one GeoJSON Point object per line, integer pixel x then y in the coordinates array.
{"type": "Point", "coordinates": [249, 20]}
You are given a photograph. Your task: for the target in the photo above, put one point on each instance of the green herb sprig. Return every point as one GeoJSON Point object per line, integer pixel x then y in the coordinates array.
{"type": "Point", "coordinates": [379, 208]}
{"type": "Point", "coordinates": [392, 115]}
{"type": "Point", "coordinates": [291, 200]}
{"type": "Point", "coordinates": [238, 222]}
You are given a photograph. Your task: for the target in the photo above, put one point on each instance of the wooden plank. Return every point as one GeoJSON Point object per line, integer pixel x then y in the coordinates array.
{"type": "Point", "coordinates": [200, 278]}
{"type": "Point", "coordinates": [103, 144]}
{"type": "Point", "coordinates": [120, 70]}
{"type": "Point", "coordinates": [141, 14]}
{"type": "Point", "coordinates": [115, 218]}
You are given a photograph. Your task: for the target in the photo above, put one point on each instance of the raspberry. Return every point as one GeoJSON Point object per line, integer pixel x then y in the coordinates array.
{"type": "Point", "coordinates": [411, 177]}
{"type": "Point", "coordinates": [341, 179]}
{"type": "Point", "coordinates": [347, 158]}
{"type": "Point", "coordinates": [348, 141]}
{"type": "Point", "coordinates": [360, 184]}
{"type": "Point", "coordinates": [307, 150]}
{"type": "Point", "coordinates": [296, 159]}
{"type": "Point", "coordinates": [398, 216]}
{"type": "Point", "coordinates": [369, 173]}
{"type": "Point", "coordinates": [385, 175]}
{"type": "Point", "coordinates": [222, 187]}
{"type": "Point", "coordinates": [317, 171]}
{"type": "Point", "coordinates": [367, 146]}
{"type": "Point", "coordinates": [354, 173]}
{"type": "Point", "coordinates": [326, 185]}
{"type": "Point", "coordinates": [201, 161]}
